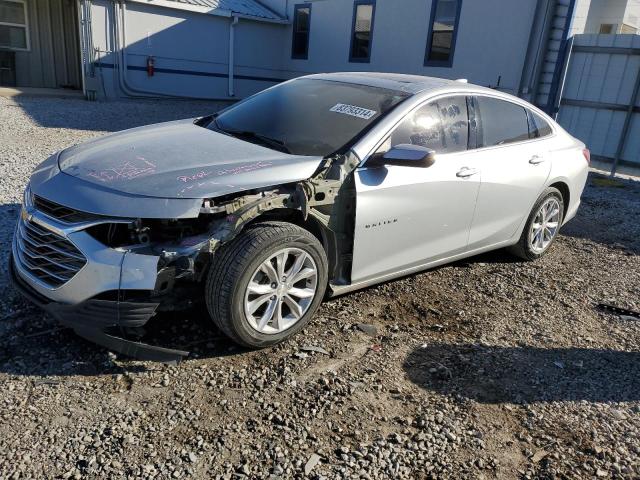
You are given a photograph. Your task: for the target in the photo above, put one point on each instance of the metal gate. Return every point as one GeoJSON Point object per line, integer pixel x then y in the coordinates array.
{"type": "Point", "coordinates": [599, 101]}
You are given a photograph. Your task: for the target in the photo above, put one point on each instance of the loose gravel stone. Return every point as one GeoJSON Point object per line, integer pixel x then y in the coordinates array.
{"type": "Point", "coordinates": [487, 368]}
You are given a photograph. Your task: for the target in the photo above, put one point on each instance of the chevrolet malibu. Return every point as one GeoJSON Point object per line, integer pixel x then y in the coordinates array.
{"type": "Point", "coordinates": [316, 187]}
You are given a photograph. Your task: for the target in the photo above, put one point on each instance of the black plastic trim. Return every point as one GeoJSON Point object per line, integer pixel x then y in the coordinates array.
{"type": "Point", "coordinates": [91, 318]}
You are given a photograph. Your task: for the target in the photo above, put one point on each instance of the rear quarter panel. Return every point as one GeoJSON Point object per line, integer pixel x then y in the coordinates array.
{"type": "Point", "coordinates": [569, 166]}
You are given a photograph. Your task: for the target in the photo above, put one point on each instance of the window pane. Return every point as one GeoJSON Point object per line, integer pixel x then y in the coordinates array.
{"type": "Point", "coordinates": [301, 32]}
{"type": "Point", "coordinates": [364, 14]}
{"type": "Point", "coordinates": [445, 15]}
{"type": "Point", "coordinates": [12, 12]}
{"type": "Point", "coordinates": [423, 128]}
{"type": "Point", "coordinates": [442, 126]}
{"type": "Point", "coordinates": [441, 46]}
{"type": "Point", "coordinates": [13, 37]}
{"type": "Point", "coordinates": [361, 41]}
{"type": "Point", "coordinates": [455, 121]}
{"type": "Point", "coordinates": [606, 28]}
{"type": "Point", "coordinates": [539, 126]}
{"type": "Point", "coordinates": [302, 20]}
{"type": "Point", "coordinates": [501, 122]}
{"type": "Point", "coordinates": [443, 30]}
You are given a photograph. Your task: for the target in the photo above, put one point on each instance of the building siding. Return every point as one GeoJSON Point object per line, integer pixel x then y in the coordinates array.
{"type": "Point", "coordinates": [400, 36]}
{"type": "Point", "coordinates": [53, 59]}
{"type": "Point", "coordinates": [190, 52]}
{"type": "Point", "coordinates": [596, 81]}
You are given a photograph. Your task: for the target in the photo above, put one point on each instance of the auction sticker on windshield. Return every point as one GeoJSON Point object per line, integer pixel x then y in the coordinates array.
{"type": "Point", "coordinates": [353, 111]}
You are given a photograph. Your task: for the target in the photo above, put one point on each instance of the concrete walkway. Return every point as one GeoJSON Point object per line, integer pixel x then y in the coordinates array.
{"type": "Point", "coordinates": [10, 92]}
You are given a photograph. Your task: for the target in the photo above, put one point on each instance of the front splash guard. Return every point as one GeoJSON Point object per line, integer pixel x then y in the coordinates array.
{"type": "Point", "coordinates": [137, 350]}
{"type": "Point", "coordinates": [87, 322]}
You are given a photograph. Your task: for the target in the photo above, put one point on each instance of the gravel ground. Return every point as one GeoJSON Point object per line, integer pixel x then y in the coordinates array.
{"type": "Point", "coordinates": [488, 368]}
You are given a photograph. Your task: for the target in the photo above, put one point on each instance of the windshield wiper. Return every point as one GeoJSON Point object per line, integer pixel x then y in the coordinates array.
{"type": "Point", "coordinates": [256, 138]}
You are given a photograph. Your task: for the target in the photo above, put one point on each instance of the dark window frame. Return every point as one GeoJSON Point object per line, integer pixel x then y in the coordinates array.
{"type": "Point", "coordinates": [454, 37]}
{"type": "Point", "coordinates": [25, 26]}
{"type": "Point", "coordinates": [366, 59]}
{"type": "Point", "coordinates": [474, 128]}
{"type": "Point", "coordinates": [305, 56]}
{"type": "Point", "coordinates": [535, 128]}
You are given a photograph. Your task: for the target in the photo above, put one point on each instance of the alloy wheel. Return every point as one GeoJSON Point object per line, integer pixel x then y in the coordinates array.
{"type": "Point", "coordinates": [545, 225]}
{"type": "Point", "coordinates": [281, 291]}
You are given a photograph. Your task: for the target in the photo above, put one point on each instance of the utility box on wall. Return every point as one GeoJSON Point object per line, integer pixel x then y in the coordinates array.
{"type": "Point", "coordinates": [7, 68]}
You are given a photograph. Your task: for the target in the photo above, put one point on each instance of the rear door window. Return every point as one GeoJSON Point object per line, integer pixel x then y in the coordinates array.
{"type": "Point", "coordinates": [538, 126]}
{"type": "Point", "coordinates": [441, 125]}
{"type": "Point", "coordinates": [500, 122]}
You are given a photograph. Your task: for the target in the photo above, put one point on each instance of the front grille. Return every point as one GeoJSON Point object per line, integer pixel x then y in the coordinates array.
{"type": "Point", "coordinates": [46, 255]}
{"type": "Point", "coordinates": [60, 212]}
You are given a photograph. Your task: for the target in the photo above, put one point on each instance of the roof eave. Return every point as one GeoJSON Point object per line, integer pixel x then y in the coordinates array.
{"type": "Point", "coordinates": [218, 12]}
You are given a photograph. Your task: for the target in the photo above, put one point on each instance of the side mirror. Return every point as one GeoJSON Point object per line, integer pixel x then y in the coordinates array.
{"type": "Point", "coordinates": [406, 155]}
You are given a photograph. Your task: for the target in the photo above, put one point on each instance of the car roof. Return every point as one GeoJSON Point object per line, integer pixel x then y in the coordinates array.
{"type": "Point", "coordinates": [412, 84]}
{"type": "Point", "coordinates": [419, 85]}
{"type": "Point", "coordinates": [392, 81]}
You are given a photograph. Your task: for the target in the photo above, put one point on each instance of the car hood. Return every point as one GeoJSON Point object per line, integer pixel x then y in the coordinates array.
{"type": "Point", "coordinates": [181, 160]}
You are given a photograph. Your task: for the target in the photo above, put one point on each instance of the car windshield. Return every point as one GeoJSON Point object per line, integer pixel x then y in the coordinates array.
{"type": "Point", "coordinates": [308, 117]}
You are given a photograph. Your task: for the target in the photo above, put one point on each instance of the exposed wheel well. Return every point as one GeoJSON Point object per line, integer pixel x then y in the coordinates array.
{"type": "Point", "coordinates": [295, 217]}
{"type": "Point", "coordinates": [325, 236]}
{"type": "Point", "coordinates": [566, 196]}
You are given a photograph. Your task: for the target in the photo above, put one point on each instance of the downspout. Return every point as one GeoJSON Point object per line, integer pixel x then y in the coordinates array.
{"type": "Point", "coordinates": [84, 54]}
{"type": "Point", "coordinates": [90, 82]}
{"type": "Point", "coordinates": [539, 32]}
{"type": "Point", "coordinates": [120, 27]}
{"type": "Point", "coordinates": [120, 53]}
{"type": "Point", "coordinates": [563, 77]}
{"type": "Point", "coordinates": [553, 101]}
{"type": "Point", "coordinates": [232, 36]}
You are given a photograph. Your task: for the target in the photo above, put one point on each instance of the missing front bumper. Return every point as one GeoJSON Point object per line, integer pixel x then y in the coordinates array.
{"type": "Point", "coordinates": [91, 319]}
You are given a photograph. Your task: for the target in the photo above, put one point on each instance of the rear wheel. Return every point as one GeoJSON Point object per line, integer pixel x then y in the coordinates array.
{"type": "Point", "coordinates": [542, 226]}
{"type": "Point", "coordinates": [265, 285]}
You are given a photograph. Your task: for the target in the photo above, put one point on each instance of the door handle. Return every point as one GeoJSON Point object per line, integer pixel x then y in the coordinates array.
{"type": "Point", "coordinates": [536, 159]}
{"type": "Point", "coordinates": [465, 172]}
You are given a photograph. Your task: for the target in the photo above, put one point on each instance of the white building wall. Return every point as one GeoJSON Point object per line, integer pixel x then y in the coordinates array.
{"type": "Point", "coordinates": [580, 17]}
{"type": "Point", "coordinates": [605, 12]}
{"type": "Point", "coordinates": [632, 13]}
{"type": "Point", "coordinates": [492, 40]}
{"type": "Point", "coordinates": [190, 52]}
{"type": "Point", "coordinates": [492, 44]}
{"type": "Point", "coordinates": [258, 54]}
{"type": "Point", "coordinates": [591, 14]}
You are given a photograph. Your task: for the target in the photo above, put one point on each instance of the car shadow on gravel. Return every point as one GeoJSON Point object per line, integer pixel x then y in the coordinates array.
{"type": "Point", "coordinates": [607, 214]}
{"type": "Point", "coordinates": [492, 374]}
{"type": "Point", "coordinates": [36, 345]}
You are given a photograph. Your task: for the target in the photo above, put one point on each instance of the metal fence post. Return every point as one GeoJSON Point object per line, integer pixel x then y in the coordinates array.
{"type": "Point", "coordinates": [563, 78]}
{"type": "Point", "coordinates": [627, 124]}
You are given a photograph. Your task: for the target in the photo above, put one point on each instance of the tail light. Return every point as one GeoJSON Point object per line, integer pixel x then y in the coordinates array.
{"type": "Point", "coordinates": [587, 155]}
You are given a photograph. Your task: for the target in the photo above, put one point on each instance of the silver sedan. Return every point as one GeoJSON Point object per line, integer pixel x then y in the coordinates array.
{"type": "Point", "coordinates": [316, 187]}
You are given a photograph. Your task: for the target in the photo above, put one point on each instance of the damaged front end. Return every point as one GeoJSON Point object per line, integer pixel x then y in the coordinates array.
{"type": "Point", "coordinates": [106, 277]}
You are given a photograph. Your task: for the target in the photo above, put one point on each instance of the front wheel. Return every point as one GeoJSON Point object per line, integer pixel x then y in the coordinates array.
{"type": "Point", "coordinates": [265, 285]}
{"type": "Point", "coordinates": [542, 226]}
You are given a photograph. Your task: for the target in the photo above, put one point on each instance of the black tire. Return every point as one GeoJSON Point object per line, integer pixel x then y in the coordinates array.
{"type": "Point", "coordinates": [523, 248]}
{"type": "Point", "coordinates": [235, 262]}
